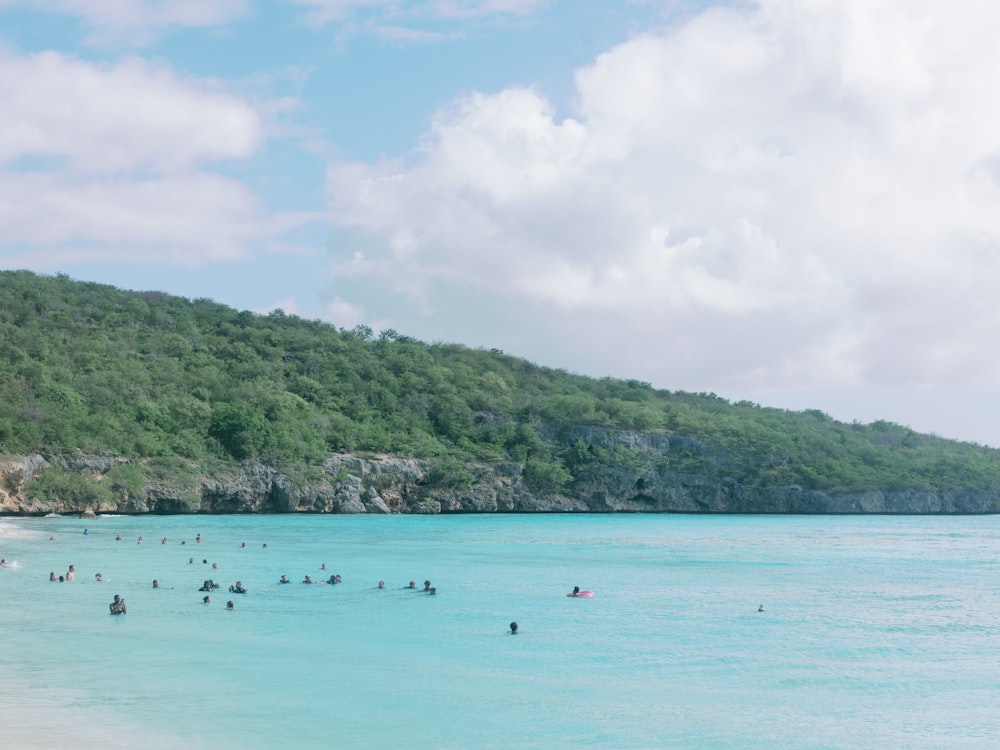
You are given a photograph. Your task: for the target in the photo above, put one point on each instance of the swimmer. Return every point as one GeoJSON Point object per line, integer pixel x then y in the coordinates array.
{"type": "Point", "coordinates": [323, 566]}
{"type": "Point", "coordinates": [118, 537]}
{"type": "Point", "coordinates": [85, 533]}
{"type": "Point", "coordinates": [284, 579]}
{"type": "Point", "coordinates": [215, 566]}
{"type": "Point", "coordinates": [432, 591]}
{"type": "Point", "coordinates": [117, 607]}
{"type": "Point", "coordinates": [164, 540]}
{"type": "Point", "coordinates": [427, 585]}
{"type": "Point", "coordinates": [53, 576]}
{"type": "Point", "coordinates": [760, 608]}
{"type": "Point", "coordinates": [206, 600]}
{"type": "Point", "coordinates": [156, 583]}
{"type": "Point", "coordinates": [229, 604]}
{"type": "Point", "coordinates": [513, 628]}
{"type": "Point", "coordinates": [307, 579]}
{"type": "Point", "coordinates": [243, 546]}
{"type": "Point", "coordinates": [576, 591]}
{"type": "Point", "coordinates": [237, 589]}
{"type": "Point", "coordinates": [140, 541]}
{"type": "Point", "coordinates": [98, 577]}
{"type": "Point", "coordinates": [71, 573]}
{"type": "Point", "coordinates": [412, 585]}
{"type": "Point", "coordinates": [381, 584]}
{"type": "Point", "coordinates": [198, 539]}
{"type": "Point", "coordinates": [190, 561]}
{"type": "Point", "coordinates": [3, 562]}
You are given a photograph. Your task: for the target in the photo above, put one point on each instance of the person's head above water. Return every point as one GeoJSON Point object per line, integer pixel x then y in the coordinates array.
{"type": "Point", "coordinates": [576, 589]}
{"type": "Point", "coordinates": [513, 628]}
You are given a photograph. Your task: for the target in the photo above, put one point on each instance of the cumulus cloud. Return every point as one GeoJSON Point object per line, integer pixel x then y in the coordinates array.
{"type": "Point", "coordinates": [780, 194]}
{"type": "Point", "coordinates": [105, 119]}
{"type": "Point", "coordinates": [111, 163]}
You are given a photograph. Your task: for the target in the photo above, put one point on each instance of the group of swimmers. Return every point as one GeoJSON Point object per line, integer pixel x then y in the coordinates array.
{"type": "Point", "coordinates": [117, 606]}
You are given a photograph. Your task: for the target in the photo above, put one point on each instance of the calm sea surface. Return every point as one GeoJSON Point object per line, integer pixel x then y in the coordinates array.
{"type": "Point", "coordinates": [878, 632]}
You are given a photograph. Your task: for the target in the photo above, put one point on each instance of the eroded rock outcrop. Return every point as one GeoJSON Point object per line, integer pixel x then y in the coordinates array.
{"type": "Point", "coordinates": [387, 484]}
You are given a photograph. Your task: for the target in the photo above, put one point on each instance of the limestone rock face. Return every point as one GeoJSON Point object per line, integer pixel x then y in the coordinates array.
{"type": "Point", "coordinates": [387, 484]}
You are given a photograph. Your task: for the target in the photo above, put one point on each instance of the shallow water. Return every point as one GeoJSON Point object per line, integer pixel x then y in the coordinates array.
{"type": "Point", "coordinates": [878, 632]}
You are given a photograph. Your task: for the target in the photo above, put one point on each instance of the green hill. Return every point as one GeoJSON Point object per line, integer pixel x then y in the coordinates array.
{"type": "Point", "coordinates": [167, 382]}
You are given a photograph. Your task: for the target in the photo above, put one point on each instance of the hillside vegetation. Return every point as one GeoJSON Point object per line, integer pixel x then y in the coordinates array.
{"type": "Point", "coordinates": [170, 382]}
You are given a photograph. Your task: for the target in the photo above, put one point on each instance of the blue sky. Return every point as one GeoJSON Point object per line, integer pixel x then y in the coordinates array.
{"type": "Point", "coordinates": [790, 202]}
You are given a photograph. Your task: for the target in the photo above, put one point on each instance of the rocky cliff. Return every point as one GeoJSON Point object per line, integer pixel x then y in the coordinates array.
{"type": "Point", "coordinates": [352, 484]}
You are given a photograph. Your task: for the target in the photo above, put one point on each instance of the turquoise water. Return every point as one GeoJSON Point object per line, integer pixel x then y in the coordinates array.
{"type": "Point", "coordinates": [877, 632]}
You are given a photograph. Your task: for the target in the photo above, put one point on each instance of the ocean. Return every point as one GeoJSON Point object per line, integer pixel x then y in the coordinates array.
{"type": "Point", "coordinates": [876, 632]}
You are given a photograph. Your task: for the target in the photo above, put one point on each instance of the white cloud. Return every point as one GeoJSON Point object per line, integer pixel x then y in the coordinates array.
{"type": "Point", "coordinates": [110, 163]}
{"type": "Point", "coordinates": [110, 118]}
{"type": "Point", "coordinates": [783, 194]}
{"type": "Point", "coordinates": [343, 314]}
{"type": "Point", "coordinates": [117, 16]}
{"type": "Point", "coordinates": [325, 11]}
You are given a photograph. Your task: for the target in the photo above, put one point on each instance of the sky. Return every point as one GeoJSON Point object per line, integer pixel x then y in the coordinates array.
{"type": "Point", "coordinates": [792, 202]}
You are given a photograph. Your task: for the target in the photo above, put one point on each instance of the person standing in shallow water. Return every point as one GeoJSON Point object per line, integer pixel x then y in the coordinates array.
{"type": "Point", "coordinates": [117, 606]}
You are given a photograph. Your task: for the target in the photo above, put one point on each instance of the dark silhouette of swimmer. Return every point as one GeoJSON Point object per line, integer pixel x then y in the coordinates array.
{"type": "Point", "coordinates": [284, 579]}
{"type": "Point", "coordinates": [576, 591]}
{"type": "Point", "coordinates": [760, 608]}
{"type": "Point", "coordinates": [229, 604]}
{"type": "Point", "coordinates": [513, 628]}
{"type": "Point", "coordinates": [238, 588]}
{"type": "Point", "coordinates": [117, 607]}
{"type": "Point", "coordinates": [427, 585]}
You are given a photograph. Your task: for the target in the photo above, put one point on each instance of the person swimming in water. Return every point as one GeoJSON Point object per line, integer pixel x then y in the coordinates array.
{"type": "Point", "coordinates": [307, 579]}
{"type": "Point", "coordinates": [117, 607]}
{"type": "Point", "coordinates": [513, 628]}
{"type": "Point", "coordinates": [284, 579]}
{"type": "Point", "coordinates": [238, 588]}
